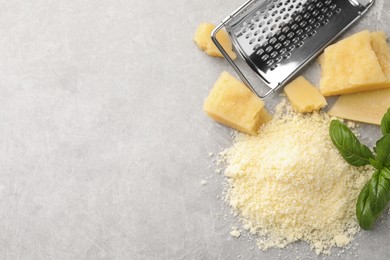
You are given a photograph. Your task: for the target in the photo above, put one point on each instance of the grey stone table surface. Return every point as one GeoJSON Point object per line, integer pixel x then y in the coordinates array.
{"type": "Point", "coordinates": [103, 142]}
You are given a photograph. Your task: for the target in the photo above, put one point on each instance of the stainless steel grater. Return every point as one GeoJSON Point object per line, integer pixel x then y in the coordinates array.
{"type": "Point", "coordinates": [277, 38]}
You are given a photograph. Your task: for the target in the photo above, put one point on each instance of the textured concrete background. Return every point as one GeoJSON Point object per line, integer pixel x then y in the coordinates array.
{"type": "Point", "coordinates": [103, 143]}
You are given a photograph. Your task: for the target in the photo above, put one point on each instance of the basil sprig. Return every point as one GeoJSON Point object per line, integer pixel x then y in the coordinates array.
{"type": "Point", "coordinates": [375, 195]}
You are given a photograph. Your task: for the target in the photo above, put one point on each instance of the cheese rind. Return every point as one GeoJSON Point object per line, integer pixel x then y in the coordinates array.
{"type": "Point", "coordinates": [382, 51]}
{"type": "Point", "coordinates": [203, 39]}
{"type": "Point", "coordinates": [351, 65]}
{"type": "Point", "coordinates": [367, 107]}
{"type": "Point", "coordinates": [231, 103]}
{"type": "Point", "coordinates": [304, 97]}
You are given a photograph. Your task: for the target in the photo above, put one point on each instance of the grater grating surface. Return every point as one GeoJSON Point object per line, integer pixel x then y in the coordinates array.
{"type": "Point", "coordinates": [276, 38]}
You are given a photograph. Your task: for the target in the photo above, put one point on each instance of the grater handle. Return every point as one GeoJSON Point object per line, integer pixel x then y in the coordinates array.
{"type": "Point", "coordinates": [231, 61]}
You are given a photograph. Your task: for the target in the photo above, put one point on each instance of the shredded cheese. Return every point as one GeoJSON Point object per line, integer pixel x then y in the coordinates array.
{"type": "Point", "coordinates": [289, 183]}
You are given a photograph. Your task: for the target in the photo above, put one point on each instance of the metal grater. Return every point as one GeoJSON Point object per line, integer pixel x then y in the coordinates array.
{"type": "Point", "coordinates": [277, 38]}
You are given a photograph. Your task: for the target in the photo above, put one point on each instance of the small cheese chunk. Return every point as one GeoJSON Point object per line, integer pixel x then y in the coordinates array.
{"type": "Point", "coordinates": [303, 96]}
{"type": "Point", "coordinates": [203, 39]}
{"type": "Point", "coordinates": [367, 107]}
{"type": "Point", "coordinates": [351, 66]}
{"type": "Point", "coordinates": [231, 103]}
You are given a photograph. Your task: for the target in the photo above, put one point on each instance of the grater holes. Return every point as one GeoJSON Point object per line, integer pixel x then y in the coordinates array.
{"type": "Point", "coordinates": [275, 32]}
{"type": "Point", "coordinates": [298, 18]}
{"type": "Point", "coordinates": [325, 21]}
{"type": "Point", "coordinates": [260, 52]}
{"type": "Point", "coordinates": [285, 29]}
{"type": "Point", "coordinates": [311, 33]}
{"type": "Point", "coordinates": [261, 24]}
{"type": "Point", "coordinates": [308, 28]}
{"type": "Point", "coordinates": [282, 37]}
{"type": "Point", "coordinates": [269, 49]}
{"type": "Point", "coordinates": [270, 62]}
{"type": "Point", "coordinates": [273, 40]}
{"type": "Point", "coordinates": [261, 37]}
{"type": "Point", "coordinates": [265, 57]}
{"type": "Point", "coordinates": [274, 54]}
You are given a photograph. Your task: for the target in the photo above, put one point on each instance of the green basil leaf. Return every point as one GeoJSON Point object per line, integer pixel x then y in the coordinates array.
{"type": "Point", "coordinates": [379, 189]}
{"type": "Point", "coordinates": [363, 209]}
{"type": "Point", "coordinates": [372, 200]}
{"type": "Point", "coordinates": [383, 150]}
{"type": "Point", "coordinates": [385, 173]}
{"type": "Point", "coordinates": [385, 124]}
{"type": "Point", "coordinates": [348, 145]}
{"type": "Point", "coordinates": [377, 165]}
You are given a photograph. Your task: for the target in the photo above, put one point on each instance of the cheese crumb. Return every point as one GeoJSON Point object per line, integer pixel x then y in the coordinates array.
{"type": "Point", "coordinates": [289, 183]}
{"type": "Point", "coordinates": [235, 232]}
{"type": "Point", "coordinates": [203, 182]}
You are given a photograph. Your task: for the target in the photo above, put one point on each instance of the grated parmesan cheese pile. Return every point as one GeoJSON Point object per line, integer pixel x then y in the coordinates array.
{"type": "Point", "coordinates": [289, 183]}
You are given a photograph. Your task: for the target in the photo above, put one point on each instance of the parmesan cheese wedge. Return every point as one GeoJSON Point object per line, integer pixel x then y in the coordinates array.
{"type": "Point", "coordinates": [232, 104]}
{"type": "Point", "coordinates": [304, 97]}
{"type": "Point", "coordinates": [355, 64]}
{"type": "Point", "coordinates": [203, 39]}
{"type": "Point", "coordinates": [367, 107]}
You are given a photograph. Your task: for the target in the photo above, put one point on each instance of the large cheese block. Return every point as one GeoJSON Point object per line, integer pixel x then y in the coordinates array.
{"type": "Point", "coordinates": [231, 103]}
{"type": "Point", "coordinates": [203, 39]}
{"type": "Point", "coordinates": [367, 107]}
{"type": "Point", "coordinates": [352, 65]}
{"type": "Point", "coordinates": [303, 96]}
